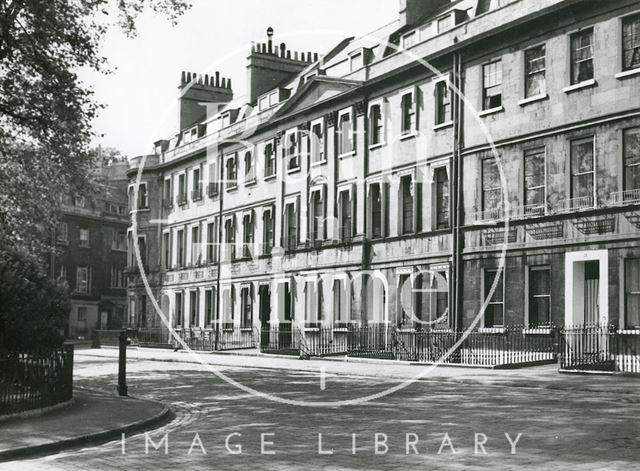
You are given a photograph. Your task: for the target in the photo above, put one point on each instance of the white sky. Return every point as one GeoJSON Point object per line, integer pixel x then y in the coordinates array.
{"type": "Point", "coordinates": [141, 94]}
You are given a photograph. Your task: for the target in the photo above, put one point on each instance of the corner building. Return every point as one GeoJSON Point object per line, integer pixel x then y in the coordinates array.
{"type": "Point", "coordinates": [383, 182]}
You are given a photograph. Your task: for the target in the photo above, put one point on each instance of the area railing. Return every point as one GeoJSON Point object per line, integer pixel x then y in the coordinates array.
{"type": "Point", "coordinates": [595, 347]}
{"type": "Point", "coordinates": [218, 339]}
{"type": "Point", "coordinates": [513, 345]}
{"type": "Point", "coordinates": [30, 382]}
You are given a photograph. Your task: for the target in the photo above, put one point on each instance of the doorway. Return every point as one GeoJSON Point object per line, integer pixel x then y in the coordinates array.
{"type": "Point", "coordinates": [264, 292]}
{"type": "Point", "coordinates": [586, 288]}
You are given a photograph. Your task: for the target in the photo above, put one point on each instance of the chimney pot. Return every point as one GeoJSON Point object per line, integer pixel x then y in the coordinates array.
{"type": "Point", "coordinates": [182, 77]}
{"type": "Point", "coordinates": [224, 83]}
{"type": "Point", "coordinates": [229, 83]}
{"type": "Point", "coordinates": [217, 79]}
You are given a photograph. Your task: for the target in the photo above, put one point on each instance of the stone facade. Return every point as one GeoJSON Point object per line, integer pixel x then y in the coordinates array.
{"type": "Point", "coordinates": [358, 187]}
{"type": "Point", "coordinates": [92, 254]}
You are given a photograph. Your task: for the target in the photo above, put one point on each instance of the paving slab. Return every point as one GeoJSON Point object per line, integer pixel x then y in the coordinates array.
{"type": "Point", "coordinates": [92, 417]}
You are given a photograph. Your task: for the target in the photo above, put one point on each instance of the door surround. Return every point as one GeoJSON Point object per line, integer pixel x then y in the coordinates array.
{"type": "Point", "coordinates": [574, 286]}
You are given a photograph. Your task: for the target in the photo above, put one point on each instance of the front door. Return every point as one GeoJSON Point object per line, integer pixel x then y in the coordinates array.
{"type": "Point", "coordinates": [591, 292]}
{"type": "Point", "coordinates": [265, 314]}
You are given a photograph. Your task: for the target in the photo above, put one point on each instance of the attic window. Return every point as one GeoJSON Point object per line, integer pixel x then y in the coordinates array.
{"type": "Point", "coordinates": [445, 24]}
{"type": "Point", "coordinates": [408, 40]}
{"type": "Point", "coordinates": [356, 61]}
{"type": "Point", "coordinates": [263, 103]}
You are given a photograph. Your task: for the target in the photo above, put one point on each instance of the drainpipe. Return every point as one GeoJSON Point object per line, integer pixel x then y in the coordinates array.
{"type": "Point", "coordinates": [456, 201]}
{"type": "Point", "coordinates": [219, 245]}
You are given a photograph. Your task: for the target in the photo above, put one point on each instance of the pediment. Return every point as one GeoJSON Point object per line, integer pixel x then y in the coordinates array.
{"type": "Point", "coordinates": [317, 90]}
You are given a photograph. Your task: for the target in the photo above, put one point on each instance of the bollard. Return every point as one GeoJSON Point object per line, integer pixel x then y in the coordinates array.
{"type": "Point", "coordinates": [122, 364]}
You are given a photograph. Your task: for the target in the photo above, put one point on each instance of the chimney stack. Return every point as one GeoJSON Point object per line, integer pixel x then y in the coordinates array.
{"type": "Point", "coordinates": [269, 65]}
{"type": "Point", "coordinates": [195, 91]}
{"type": "Point", "coordinates": [411, 11]}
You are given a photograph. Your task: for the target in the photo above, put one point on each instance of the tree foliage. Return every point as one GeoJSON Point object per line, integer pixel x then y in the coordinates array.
{"type": "Point", "coordinates": [33, 306]}
{"type": "Point", "coordinates": [46, 112]}
{"type": "Point", "coordinates": [46, 116]}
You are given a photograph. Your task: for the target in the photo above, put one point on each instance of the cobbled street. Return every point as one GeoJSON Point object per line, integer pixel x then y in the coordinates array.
{"type": "Point", "coordinates": [559, 429]}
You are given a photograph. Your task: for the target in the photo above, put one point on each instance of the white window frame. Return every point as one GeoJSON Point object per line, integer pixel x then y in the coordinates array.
{"type": "Point", "coordinates": [384, 195]}
{"type": "Point", "coordinates": [81, 242]}
{"type": "Point", "coordinates": [314, 144]}
{"type": "Point", "coordinates": [298, 150]}
{"type": "Point", "coordinates": [412, 131]}
{"type": "Point", "coordinates": [228, 185]}
{"type": "Point", "coordinates": [437, 83]}
{"type": "Point", "coordinates": [483, 280]}
{"type": "Point", "coordinates": [317, 188]}
{"type": "Point", "coordinates": [527, 290]}
{"type": "Point", "coordinates": [341, 153]}
{"type": "Point", "coordinates": [351, 190]}
{"type": "Point", "coordinates": [381, 102]}
{"type": "Point", "coordinates": [400, 175]}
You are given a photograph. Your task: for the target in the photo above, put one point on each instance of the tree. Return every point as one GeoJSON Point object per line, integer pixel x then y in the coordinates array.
{"type": "Point", "coordinates": [46, 113]}
{"type": "Point", "coordinates": [33, 307]}
{"type": "Point", "coordinates": [46, 116]}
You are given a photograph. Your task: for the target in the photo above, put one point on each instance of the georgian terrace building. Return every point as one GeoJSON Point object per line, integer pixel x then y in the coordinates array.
{"type": "Point", "coordinates": [416, 157]}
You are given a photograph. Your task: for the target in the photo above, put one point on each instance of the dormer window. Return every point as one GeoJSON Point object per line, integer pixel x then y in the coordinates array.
{"type": "Point", "coordinates": [263, 103]}
{"type": "Point", "coordinates": [356, 61]}
{"type": "Point", "coordinates": [408, 40]}
{"type": "Point", "coordinates": [445, 24]}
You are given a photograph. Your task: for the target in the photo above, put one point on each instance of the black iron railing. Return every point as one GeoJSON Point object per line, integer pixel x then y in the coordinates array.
{"type": "Point", "coordinates": [496, 347]}
{"type": "Point", "coordinates": [600, 348]}
{"type": "Point", "coordinates": [30, 382]}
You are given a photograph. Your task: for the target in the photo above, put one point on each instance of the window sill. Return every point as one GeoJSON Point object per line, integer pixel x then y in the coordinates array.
{"type": "Point", "coordinates": [231, 188]}
{"type": "Point", "coordinates": [491, 330]}
{"type": "Point", "coordinates": [627, 74]}
{"type": "Point", "coordinates": [629, 332]}
{"type": "Point", "coordinates": [347, 154]}
{"type": "Point", "coordinates": [269, 177]}
{"type": "Point", "coordinates": [533, 99]}
{"type": "Point", "coordinates": [538, 331]}
{"type": "Point", "coordinates": [318, 163]}
{"type": "Point", "coordinates": [440, 126]}
{"type": "Point", "coordinates": [312, 329]}
{"type": "Point", "coordinates": [245, 329]}
{"type": "Point", "coordinates": [490, 111]}
{"type": "Point", "coordinates": [408, 135]}
{"type": "Point", "coordinates": [377, 145]}
{"type": "Point", "coordinates": [580, 86]}
{"type": "Point", "coordinates": [293, 170]}
{"type": "Point", "coordinates": [251, 182]}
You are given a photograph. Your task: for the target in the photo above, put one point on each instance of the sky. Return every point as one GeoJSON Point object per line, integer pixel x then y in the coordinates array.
{"type": "Point", "coordinates": [141, 94]}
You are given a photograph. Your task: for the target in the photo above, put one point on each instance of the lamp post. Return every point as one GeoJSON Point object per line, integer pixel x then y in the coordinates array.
{"type": "Point", "coordinates": [122, 363]}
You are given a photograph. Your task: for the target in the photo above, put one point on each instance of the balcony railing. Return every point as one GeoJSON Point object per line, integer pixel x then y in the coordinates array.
{"type": "Point", "coordinates": [181, 199]}
{"type": "Point", "coordinates": [212, 190]}
{"type": "Point", "coordinates": [196, 195]}
{"type": "Point", "coordinates": [167, 204]}
{"type": "Point", "coordinates": [495, 214]}
{"type": "Point", "coordinates": [575, 204]}
{"type": "Point", "coordinates": [528, 211]}
{"type": "Point", "coordinates": [625, 197]}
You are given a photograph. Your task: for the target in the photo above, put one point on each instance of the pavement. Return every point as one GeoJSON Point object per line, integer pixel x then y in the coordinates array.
{"type": "Point", "coordinates": [92, 417]}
